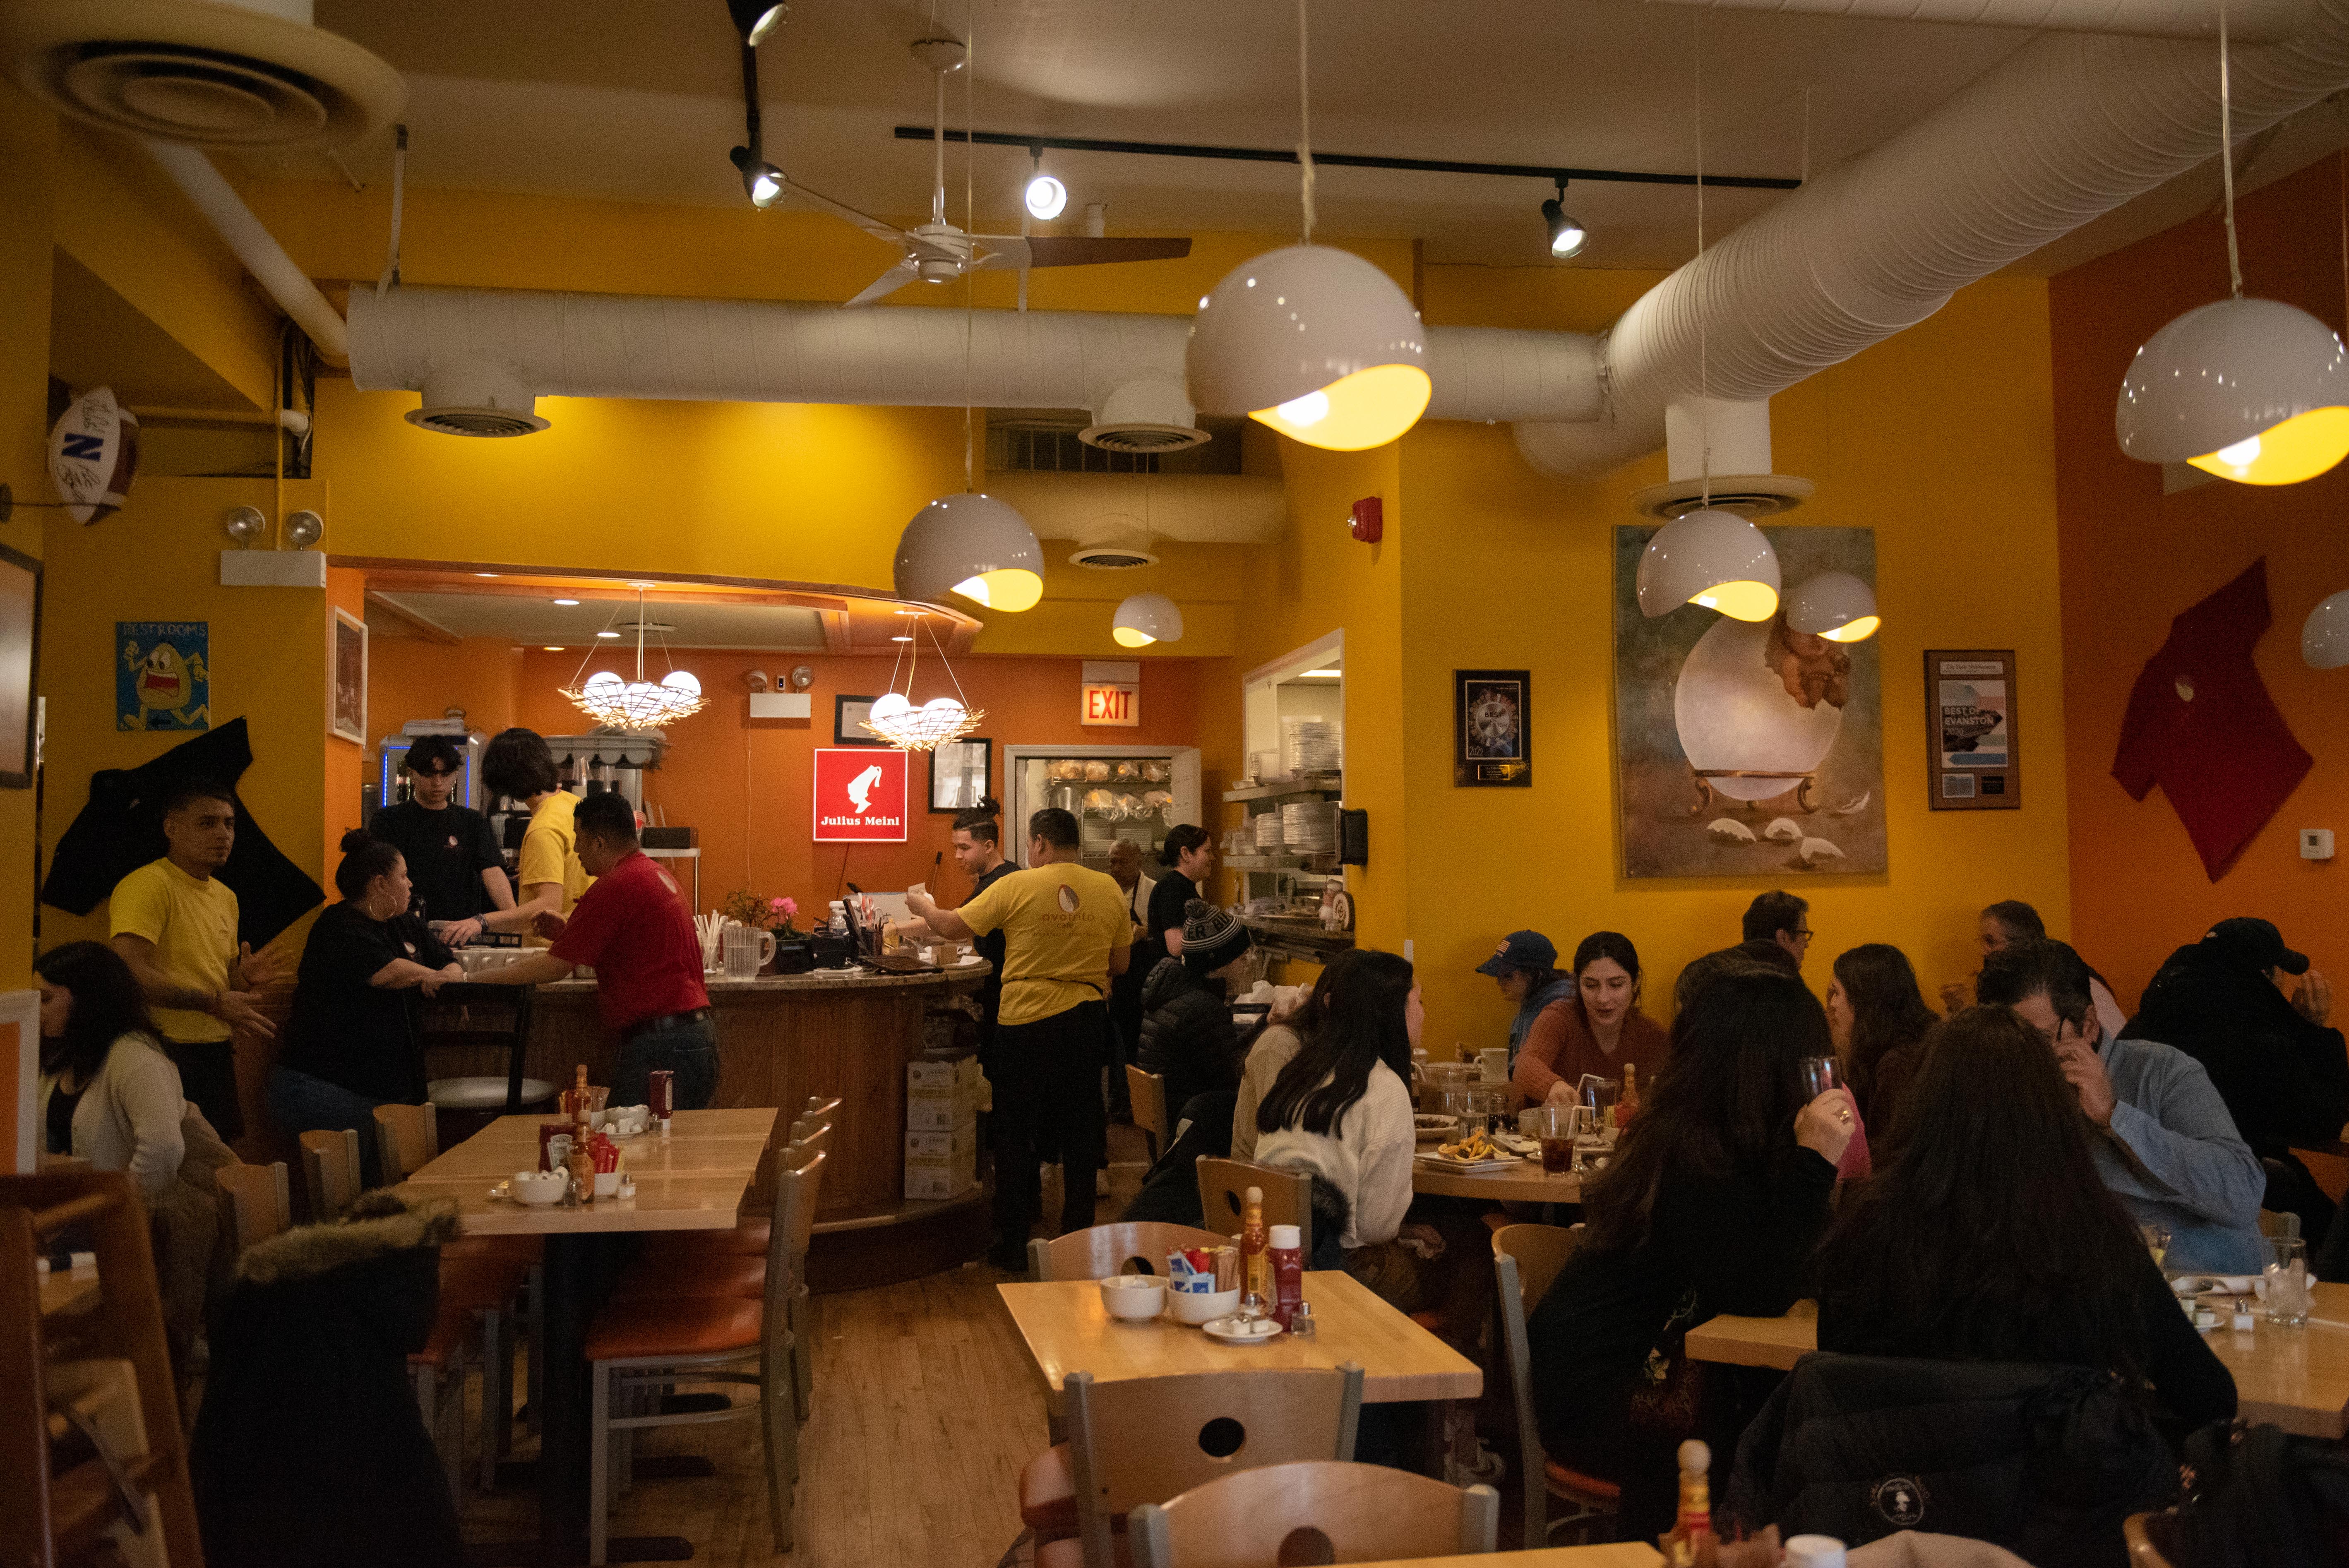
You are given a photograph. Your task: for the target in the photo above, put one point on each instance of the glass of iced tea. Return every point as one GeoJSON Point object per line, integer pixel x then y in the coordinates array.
{"type": "Point", "coordinates": [1559, 1125]}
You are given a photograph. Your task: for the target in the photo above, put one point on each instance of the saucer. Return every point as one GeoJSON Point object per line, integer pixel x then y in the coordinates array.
{"type": "Point", "coordinates": [1242, 1331]}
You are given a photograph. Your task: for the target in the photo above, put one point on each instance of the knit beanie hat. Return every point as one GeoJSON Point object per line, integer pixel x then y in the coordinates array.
{"type": "Point", "coordinates": [1212, 937]}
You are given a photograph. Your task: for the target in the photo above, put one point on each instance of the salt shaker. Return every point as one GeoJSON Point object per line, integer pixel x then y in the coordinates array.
{"type": "Point", "coordinates": [1301, 1321]}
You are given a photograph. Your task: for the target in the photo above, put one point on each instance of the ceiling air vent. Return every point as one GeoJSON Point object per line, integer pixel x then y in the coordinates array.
{"type": "Point", "coordinates": [1747, 495]}
{"type": "Point", "coordinates": [1143, 438]}
{"type": "Point", "coordinates": [1118, 544]}
{"type": "Point", "coordinates": [228, 74]}
{"type": "Point", "coordinates": [492, 422]}
{"type": "Point", "coordinates": [1149, 414]}
{"type": "Point", "coordinates": [466, 398]}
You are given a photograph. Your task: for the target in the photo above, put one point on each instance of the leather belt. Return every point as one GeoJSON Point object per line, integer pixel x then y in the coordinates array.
{"type": "Point", "coordinates": [664, 1022]}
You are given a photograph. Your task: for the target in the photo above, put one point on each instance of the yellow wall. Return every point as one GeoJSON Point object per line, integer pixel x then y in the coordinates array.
{"type": "Point", "coordinates": [1940, 440]}
{"type": "Point", "coordinates": [28, 160]}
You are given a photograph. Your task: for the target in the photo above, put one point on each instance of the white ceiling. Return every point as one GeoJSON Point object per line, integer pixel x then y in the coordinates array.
{"type": "Point", "coordinates": [640, 101]}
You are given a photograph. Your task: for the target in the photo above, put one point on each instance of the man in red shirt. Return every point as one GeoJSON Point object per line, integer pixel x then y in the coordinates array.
{"type": "Point", "coordinates": [632, 929]}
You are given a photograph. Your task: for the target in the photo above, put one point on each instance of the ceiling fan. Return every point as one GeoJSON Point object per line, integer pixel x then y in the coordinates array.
{"type": "Point", "coordinates": [936, 252]}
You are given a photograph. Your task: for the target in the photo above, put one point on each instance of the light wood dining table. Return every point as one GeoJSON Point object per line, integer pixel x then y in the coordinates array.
{"type": "Point", "coordinates": [1068, 1330]}
{"type": "Point", "coordinates": [695, 1180]}
{"type": "Point", "coordinates": [1524, 1181]}
{"type": "Point", "coordinates": [2295, 1379]}
{"type": "Point", "coordinates": [1613, 1555]}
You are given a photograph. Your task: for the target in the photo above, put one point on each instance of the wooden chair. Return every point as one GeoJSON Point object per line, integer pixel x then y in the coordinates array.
{"type": "Point", "coordinates": [653, 1344]}
{"type": "Point", "coordinates": [255, 1201]}
{"type": "Point", "coordinates": [1148, 1091]}
{"type": "Point", "coordinates": [1317, 1511]}
{"type": "Point", "coordinates": [821, 1108]}
{"type": "Point", "coordinates": [2137, 1532]}
{"type": "Point", "coordinates": [2275, 1226]}
{"type": "Point", "coordinates": [406, 1140]}
{"type": "Point", "coordinates": [330, 1173]}
{"type": "Point", "coordinates": [1141, 1439]}
{"type": "Point", "coordinates": [1525, 1259]}
{"type": "Point", "coordinates": [1114, 1249]}
{"type": "Point", "coordinates": [748, 1239]}
{"type": "Point", "coordinates": [1223, 1191]}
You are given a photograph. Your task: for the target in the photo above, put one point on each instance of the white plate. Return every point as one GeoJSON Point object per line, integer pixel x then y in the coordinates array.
{"type": "Point", "coordinates": [2203, 1284]}
{"type": "Point", "coordinates": [1237, 1331]}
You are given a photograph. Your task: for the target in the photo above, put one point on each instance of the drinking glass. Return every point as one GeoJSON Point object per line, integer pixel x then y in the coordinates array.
{"type": "Point", "coordinates": [2288, 1295]}
{"type": "Point", "coordinates": [1819, 1075]}
{"type": "Point", "coordinates": [1554, 1126]}
{"type": "Point", "coordinates": [1489, 1109]}
{"type": "Point", "coordinates": [2156, 1242]}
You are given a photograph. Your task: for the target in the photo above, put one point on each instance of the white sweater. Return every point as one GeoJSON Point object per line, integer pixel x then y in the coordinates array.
{"type": "Point", "coordinates": [1367, 1157]}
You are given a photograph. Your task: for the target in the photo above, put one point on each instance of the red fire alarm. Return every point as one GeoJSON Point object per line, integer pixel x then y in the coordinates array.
{"type": "Point", "coordinates": [1368, 520]}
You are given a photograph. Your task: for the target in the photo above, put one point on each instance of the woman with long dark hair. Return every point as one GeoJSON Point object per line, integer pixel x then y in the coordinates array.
{"type": "Point", "coordinates": [1991, 1238]}
{"type": "Point", "coordinates": [353, 1040]}
{"type": "Point", "coordinates": [1717, 1192]}
{"type": "Point", "coordinates": [1880, 1021]}
{"type": "Point", "coordinates": [1596, 1028]}
{"type": "Point", "coordinates": [1189, 857]}
{"type": "Point", "coordinates": [107, 1092]}
{"type": "Point", "coordinates": [1341, 1108]}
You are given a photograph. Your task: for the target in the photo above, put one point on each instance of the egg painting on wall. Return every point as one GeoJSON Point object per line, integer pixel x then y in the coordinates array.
{"type": "Point", "coordinates": [1747, 748]}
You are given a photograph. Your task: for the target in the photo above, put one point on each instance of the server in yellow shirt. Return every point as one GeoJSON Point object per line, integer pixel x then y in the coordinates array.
{"type": "Point", "coordinates": [1066, 933]}
{"type": "Point", "coordinates": [550, 879]}
{"type": "Point", "coordinates": [174, 922]}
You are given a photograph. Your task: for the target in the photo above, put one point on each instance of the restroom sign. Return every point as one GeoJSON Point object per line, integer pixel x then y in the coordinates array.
{"type": "Point", "coordinates": [860, 795]}
{"type": "Point", "coordinates": [1110, 693]}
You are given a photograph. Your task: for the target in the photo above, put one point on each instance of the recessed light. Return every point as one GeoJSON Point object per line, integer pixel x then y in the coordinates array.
{"type": "Point", "coordinates": [607, 634]}
{"type": "Point", "coordinates": [486, 574]}
{"type": "Point", "coordinates": [900, 639]}
{"type": "Point", "coordinates": [1319, 674]}
{"type": "Point", "coordinates": [566, 603]}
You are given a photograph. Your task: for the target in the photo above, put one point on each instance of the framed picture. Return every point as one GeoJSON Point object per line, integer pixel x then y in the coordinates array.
{"type": "Point", "coordinates": [346, 713]}
{"type": "Point", "coordinates": [162, 674]}
{"type": "Point", "coordinates": [848, 717]}
{"type": "Point", "coordinates": [959, 770]}
{"type": "Point", "coordinates": [1492, 727]}
{"type": "Point", "coordinates": [20, 641]}
{"type": "Point", "coordinates": [1972, 759]}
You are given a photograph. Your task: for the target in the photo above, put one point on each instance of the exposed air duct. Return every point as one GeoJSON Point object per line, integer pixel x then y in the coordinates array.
{"type": "Point", "coordinates": [1198, 508]}
{"type": "Point", "coordinates": [2061, 132]}
{"type": "Point", "coordinates": [2248, 21]}
{"type": "Point", "coordinates": [258, 248]}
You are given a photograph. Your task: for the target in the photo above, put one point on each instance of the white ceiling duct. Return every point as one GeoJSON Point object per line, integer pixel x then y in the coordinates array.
{"type": "Point", "coordinates": [2248, 21]}
{"type": "Point", "coordinates": [1198, 508]}
{"type": "Point", "coordinates": [2062, 132]}
{"type": "Point", "coordinates": [256, 247]}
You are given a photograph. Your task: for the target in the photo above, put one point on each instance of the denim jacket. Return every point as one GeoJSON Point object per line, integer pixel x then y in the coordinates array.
{"type": "Point", "coordinates": [2173, 1158]}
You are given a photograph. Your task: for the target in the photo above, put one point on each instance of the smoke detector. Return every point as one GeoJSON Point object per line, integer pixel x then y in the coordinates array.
{"type": "Point", "coordinates": [1149, 415]}
{"type": "Point", "coordinates": [469, 398]}
{"type": "Point", "coordinates": [1747, 495]}
{"type": "Point", "coordinates": [1118, 544]}
{"type": "Point", "coordinates": [206, 73]}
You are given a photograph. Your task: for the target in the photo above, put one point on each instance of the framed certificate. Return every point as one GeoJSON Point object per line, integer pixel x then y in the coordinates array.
{"type": "Point", "coordinates": [1974, 758]}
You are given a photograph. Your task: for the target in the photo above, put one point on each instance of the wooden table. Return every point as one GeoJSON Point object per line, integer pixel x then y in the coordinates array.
{"type": "Point", "coordinates": [1524, 1182]}
{"type": "Point", "coordinates": [70, 1291]}
{"type": "Point", "coordinates": [693, 1181]}
{"type": "Point", "coordinates": [1068, 1330]}
{"type": "Point", "coordinates": [2296, 1378]}
{"type": "Point", "coordinates": [1616, 1554]}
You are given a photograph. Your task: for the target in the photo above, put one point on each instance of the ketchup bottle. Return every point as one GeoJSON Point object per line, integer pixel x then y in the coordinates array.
{"type": "Point", "coordinates": [1288, 1255]}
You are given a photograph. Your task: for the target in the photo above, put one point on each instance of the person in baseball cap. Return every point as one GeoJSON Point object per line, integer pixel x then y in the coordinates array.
{"type": "Point", "coordinates": [2257, 1015]}
{"type": "Point", "coordinates": [1525, 965]}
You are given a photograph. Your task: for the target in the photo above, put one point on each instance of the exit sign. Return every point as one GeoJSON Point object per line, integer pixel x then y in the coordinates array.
{"type": "Point", "coordinates": [1111, 694]}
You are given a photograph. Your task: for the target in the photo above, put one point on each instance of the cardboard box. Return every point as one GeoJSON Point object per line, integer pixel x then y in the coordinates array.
{"type": "Point", "coordinates": [961, 1072]}
{"type": "Point", "coordinates": [929, 1181]}
{"type": "Point", "coordinates": [932, 1147]}
{"type": "Point", "coordinates": [935, 1111]}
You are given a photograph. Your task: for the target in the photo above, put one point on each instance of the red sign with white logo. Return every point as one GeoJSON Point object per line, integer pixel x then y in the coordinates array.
{"type": "Point", "coordinates": [860, 795]}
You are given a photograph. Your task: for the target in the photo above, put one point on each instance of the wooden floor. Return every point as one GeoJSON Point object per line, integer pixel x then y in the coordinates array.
{"type": "Point", "coordinates": [926, 1405]}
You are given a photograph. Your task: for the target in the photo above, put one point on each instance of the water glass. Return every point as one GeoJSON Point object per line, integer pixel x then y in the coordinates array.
{"type": "Point", "coordinates": [2156, 1242]}
{"type": "Point", "coordinates": [2289, 1297]}
{"type": "Point", "coordinates": [1819, 1076]}
{"type": "Point", "coordinates": [1554, 1126]}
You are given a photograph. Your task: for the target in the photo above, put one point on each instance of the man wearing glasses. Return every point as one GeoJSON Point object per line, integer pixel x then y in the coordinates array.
{"type": "Point", "coordinates": [1782, 919]}
{"type": "Point", "coordinates": [2166, 1146]}
{"type": "Point", "coordinates": [452, 856]}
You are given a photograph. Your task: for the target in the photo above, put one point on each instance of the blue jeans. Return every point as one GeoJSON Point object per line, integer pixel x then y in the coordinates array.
{"type": "Point", "coordinates": [688, 1049]}
{"type": "Point", "coordinates": [301, 1103]}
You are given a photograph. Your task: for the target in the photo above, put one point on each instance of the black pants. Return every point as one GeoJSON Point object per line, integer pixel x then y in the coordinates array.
{"type": "Point", "coordinates": [688, 1048]}
{"type": "Point", "coordinates": [208, 1076]}
{"type": "Point", "coordinates": [1048, 1082]}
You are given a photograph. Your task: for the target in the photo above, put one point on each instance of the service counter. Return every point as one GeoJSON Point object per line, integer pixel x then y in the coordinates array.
{"type": "Point", "coordinates": [784, 1037]}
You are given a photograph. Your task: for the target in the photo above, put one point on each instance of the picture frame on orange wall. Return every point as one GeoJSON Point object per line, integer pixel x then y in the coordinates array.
{"type": "Point", "coordinates": [1973, 751]}
{"type": "Point", "coordinates": [960, 773]}
{"type": "Point", "coordinates": [347, 678]}
{"type": "Point", "coordinates": [1492, 728]}
{"type": "Point", "coordinates": [20, 644]}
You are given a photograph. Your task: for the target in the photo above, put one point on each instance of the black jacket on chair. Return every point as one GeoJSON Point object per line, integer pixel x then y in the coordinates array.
{"type": "Point", "coordinates": [2045, 1460]}
{"type": "Point", "coordinates": [309, 1449]}
{"type": "Point", "coordinates": [1187, 1036]}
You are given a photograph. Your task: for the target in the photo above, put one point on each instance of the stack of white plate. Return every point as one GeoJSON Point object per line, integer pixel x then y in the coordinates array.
{"type": "Point", "coordinates": [1310, 826]}
{"type": "Point", "coordinates": [1268, 829]}
{"type": "Point", "coordinates": [1310, 745]}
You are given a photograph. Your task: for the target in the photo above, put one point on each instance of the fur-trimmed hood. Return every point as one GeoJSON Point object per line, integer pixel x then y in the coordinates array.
{"type": "Point", "coordinates": [378, 1223]}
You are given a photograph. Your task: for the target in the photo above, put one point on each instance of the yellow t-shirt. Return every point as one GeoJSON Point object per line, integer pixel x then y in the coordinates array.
{"type": "Point", "coordinates": [549, 849]}
{"type": "Point", "coordinates": [1059, 925]}
{"type": "Point", "coordinates": [193, 927]}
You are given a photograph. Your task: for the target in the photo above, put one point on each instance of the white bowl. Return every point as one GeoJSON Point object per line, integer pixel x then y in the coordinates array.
{"type": "Point", "coordinates": [539, 1187]}
{"type": "Point", "coordinates": [1185, 1308]}
{"type": "Point", "coordinates": [1133, 1296]}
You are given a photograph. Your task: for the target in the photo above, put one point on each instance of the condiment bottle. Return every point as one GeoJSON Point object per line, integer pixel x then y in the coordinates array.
{"type": "Point", "coordinates": [1691, 1540]}
{"type": "Point", "coordinates": [580, 1165]}
{"type": "Point", "coordinates": [575, 1098]}
{"type": "Point", "coordinates": [1288, 1253]}
{"type": "Point", "coordinates": [1256, 1268]}
{"type": "Point", "coordinates": [1627, 1103]}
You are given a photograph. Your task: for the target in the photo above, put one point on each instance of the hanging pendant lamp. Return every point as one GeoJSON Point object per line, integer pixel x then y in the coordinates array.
{"type": "Point", "coordinates": [1316, 343]}
{"type": "Point", "coordinates": [1712, 558]}
{"type": "Point", "coordinates": [1147, 618]}
{"type": "Point", "coordinates": [2325, 635]}
{"type": "Point", "coordinates": [896, 718]}
{"type": "Point", "coordinates": [1835, 605]}
{"type": "Point", "coordinates": [637, 704]}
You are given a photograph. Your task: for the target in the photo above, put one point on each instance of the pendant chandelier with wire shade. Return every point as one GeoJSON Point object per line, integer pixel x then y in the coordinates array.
{"type": "Point", "coordinates": [898, 719]}
{"type": "Point", "coordinates": [639, 704]}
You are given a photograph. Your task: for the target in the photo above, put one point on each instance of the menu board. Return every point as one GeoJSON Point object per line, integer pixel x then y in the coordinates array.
{"type": "Point", "coordinates": [1972, 755]}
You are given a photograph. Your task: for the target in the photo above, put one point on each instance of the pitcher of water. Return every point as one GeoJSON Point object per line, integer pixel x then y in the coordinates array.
{"type": "Point", "coordinates": [746, 949]}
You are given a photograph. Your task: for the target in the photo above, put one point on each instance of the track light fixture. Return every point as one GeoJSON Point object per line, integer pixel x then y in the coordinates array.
{"type": "Point", "coordinates": [1567, 234]}
{"type": "Point", "coordinates": [755, 19]}
{"type": "Point", "coordinates": [1046, 197]}
{"type": "Point", "coordinates": [762, 180]}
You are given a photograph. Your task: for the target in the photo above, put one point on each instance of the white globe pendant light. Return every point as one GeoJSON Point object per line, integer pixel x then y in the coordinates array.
{"type": "Point", "coordinates": [1147, 618]}
{"type": "Point", "coordinates": [2253, 390]}
{"type": "Point", "coordinates": [2325, 635]}
{"type": "Point", "coordinates": [973, 545]}
{"type": "Point", "coordinates": [1712, 558]}
{"type": "Point", "coordinates": [1316, 343]}
{"type": "Point", "coordinates": [1835, 605]}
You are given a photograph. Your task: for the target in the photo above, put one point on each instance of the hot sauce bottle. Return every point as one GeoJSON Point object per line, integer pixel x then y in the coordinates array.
{"type": "Point", "coordinates": [1627, 1104]}
{"type": "Point", "coordinates": [1255, 1265]}
{"type": "Point", "coordinates": [1690, 1543]}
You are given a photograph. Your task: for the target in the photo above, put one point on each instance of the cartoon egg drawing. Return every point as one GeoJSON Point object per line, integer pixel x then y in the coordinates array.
{"type": "Point", "coordinates": [1811, 851]}
{"type": "Point", "coordinates": [1736, 714]}
{"type": "Point", "coordinates": [1730, 830]}
{"type": "Point", "coordinates": [1782, 831]}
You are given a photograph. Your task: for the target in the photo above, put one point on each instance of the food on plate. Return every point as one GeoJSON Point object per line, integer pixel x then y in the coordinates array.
{"type": "Point", "coordinates": [1476, 1145]}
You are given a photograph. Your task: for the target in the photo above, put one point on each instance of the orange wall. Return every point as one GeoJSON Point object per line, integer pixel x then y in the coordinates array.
{"type": "Point", "coordinates": [2132, 558]}
{"type": "Point", "coordinates": [745, 783]}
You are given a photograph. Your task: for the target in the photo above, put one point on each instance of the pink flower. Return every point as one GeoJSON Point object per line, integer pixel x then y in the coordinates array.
{"type": "Point", "coordinates": [778, 904]}
{"type": "Point", "coordinates": [789, 906]}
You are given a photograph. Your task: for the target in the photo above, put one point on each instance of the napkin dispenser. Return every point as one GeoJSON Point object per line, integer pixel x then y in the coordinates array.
{"type": "Point", "coordinates": [827, 950]}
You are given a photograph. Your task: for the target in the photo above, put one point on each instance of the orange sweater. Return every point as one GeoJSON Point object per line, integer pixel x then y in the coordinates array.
{"type": "Point", "coordinates": [1559, 1046]}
